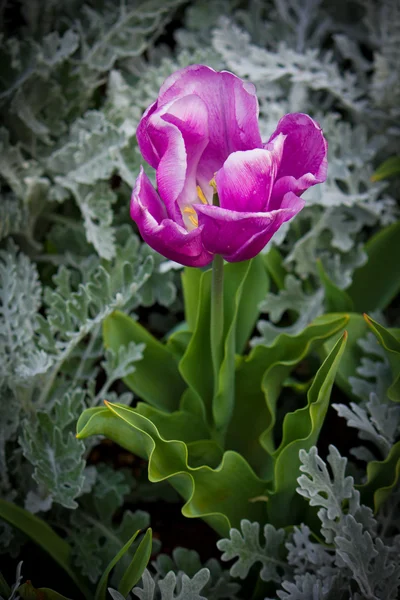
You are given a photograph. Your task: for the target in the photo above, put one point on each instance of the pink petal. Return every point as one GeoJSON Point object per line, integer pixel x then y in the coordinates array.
{"type": "Point", "coordinates": [304, 159]}
{"type": "Point", "coordinates": [232, 108]}
{"type": "Point", "coordinates": [146, 147]}
{"type": "Point", "coordinates": [161, 233]}
{"type": "Point", "coordinates": [246, 179]}
{"type": "Point", "coordinates": [178, 133]}
{"type": "Point", "coordinates": [241, 235]}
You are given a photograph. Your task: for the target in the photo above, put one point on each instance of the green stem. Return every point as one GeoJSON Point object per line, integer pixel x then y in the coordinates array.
{"type": "Point", "coordinates": [217, 316]}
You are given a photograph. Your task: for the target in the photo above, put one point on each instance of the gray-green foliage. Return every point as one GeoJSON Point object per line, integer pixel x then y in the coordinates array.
{"type": "Point", "coordinates": [376, 418]}
{"type": "Point", "coordinates": [354, 561]}
{"type": "Point", "coordinates": [247, 549]}
{"type": "Point", "coordinates": [74, 80]}
{"type": "Point", "coordinates": [183, 577]}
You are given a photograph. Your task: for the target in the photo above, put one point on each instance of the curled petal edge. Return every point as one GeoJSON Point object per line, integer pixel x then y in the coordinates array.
{"type": "Point", "coordinates": [161, 233]}
{"type": "Point", "coordinates": [240, 236]}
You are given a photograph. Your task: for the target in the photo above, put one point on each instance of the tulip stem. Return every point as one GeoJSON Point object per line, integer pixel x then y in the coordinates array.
{"type": "Point", "coordinates": [217, 316]}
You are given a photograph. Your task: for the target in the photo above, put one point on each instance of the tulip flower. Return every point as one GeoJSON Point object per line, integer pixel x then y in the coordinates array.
{"type": "Point", "coordinates": [220, 189]}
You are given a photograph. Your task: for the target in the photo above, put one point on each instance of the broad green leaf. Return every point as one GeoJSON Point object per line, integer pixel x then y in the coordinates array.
{"type": "Point", "coordinates": [245, 286]}
{"type": "Point", "coordinates": [382, 477]}
{"type": "Point", "coordinates": [178, 425]}
{"type": "Point", "coordinates": [43, 535]}
{"type": "Point", "coordinates": [178, 341]}
{"type": "Point", "coordinates": [204, 452]}
{"type": "Point", "coordinates": [196, 365]}
{"type": "Point", "coordinates": [259, 380]}
{"type": "Point", "coordinates": [389, 168]}
{"type": "Point", "coordinates": [191, 279]}
{"type": "Point", "coordinates": [274, 264]}
{"type": "Point", "coordinates": [101, 590]}
{"type": "Point", "coordinates": [254, 288]}
{"type": "Point", "coordinates": [162, 388]}
{"type": "Point", "coordinates": [138, 564]}
{"type": "Point", "coordinates": [376, 283]}
{"type": "Point", "coordinates": [301, 430]}
{"type": "Point", "coordinates": [336, 300]}
{"type": "Point", "coordinates": [220, 495]}
{"type": "Point", "coordinates": [240, 315]}
{"type": "Point", "coordinates": [392, 346]}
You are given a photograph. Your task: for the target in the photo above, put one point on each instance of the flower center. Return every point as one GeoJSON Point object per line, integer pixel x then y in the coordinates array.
{"type": "Point", "coordinates": [192, 216]}
{"type": "Point", "coordinates": [191, 213]}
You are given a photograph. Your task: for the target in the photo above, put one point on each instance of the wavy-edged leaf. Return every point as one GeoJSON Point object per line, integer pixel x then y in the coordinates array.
{"type": "Point", "coordinates": [220, 495]}
{"type": "Point", "coordinates": [162, 388]}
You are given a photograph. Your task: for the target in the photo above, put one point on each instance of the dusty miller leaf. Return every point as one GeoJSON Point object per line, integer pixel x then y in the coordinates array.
{"type": "Point", "coordinates": [20, 293]}
{"type": "Point", "coordinates": [54, 451]}
{"type": "Point", "coordinates": [378, 422]}
{"type": "Point", "coordinates": [173, 587]}
{"type": "Point", "coordinates": [292, 298]}
{"type": "Point", "coordinates": [246, 547]}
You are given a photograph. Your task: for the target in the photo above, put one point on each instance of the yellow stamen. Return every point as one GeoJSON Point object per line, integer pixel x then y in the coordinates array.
{"type": "Point", "coordinates": [188, 210]}
{"type": "Point", "coordinates": [194, 221]}
{"type": "Point", "coordinates": [213, 184]}
{"type": "Point", "coordinates": [201, 195]}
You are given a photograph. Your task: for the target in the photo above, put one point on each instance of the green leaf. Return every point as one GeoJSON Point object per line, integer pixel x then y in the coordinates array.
{"type": "Point", "coordinates": [392, 346]}
{"type": "Point", "coordinates": [162, 389]}
{"type": "Point", "coordinates": [240, 314]}
{"type": "Point", "coordinates": [96, 539]}
{"type": "Point", "coordinates": [274, 264]}
{"type": "Point", "coordinates": [259, 380]}
{"type": "Point", "coordinates": [336, 300]}
{"type": "Point", "coordinates": [101, 590]}
{"type": "Point", "coordinates": [138, 565]}
{"type": "Point", "coordinates": [28, 592]}
{"type": "Point", "coordinates": [43, 536]}
{"type": "Point", "coordinates": [178, 425]}
{"type": "Point", "coordinates": [196, 365]}
{"type": "Point", "coordinates": [301, 430]}
{"type": "Point", "coordinates": [382, 478]}
{"type": "Point", "coordinates": [191, 279]}
{"type": "Point", "coordinates": [389, 168]}
{"type": "Point", "coordinates": [376, 283]}
{"type": "Point", "coordinates": [357, 329]}
{"type": "Point", "coordinates": [220, 495]}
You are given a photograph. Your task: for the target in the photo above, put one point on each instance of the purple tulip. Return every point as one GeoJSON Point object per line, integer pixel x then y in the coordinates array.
{"type": "Point", "coordinates": [202, 137]}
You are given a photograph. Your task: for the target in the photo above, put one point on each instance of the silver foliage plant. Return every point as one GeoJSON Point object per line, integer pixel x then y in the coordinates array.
{"type": "Point", "coordinates": [74, 83]}
{"type": "Point", "coordinates": [355, 561]}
